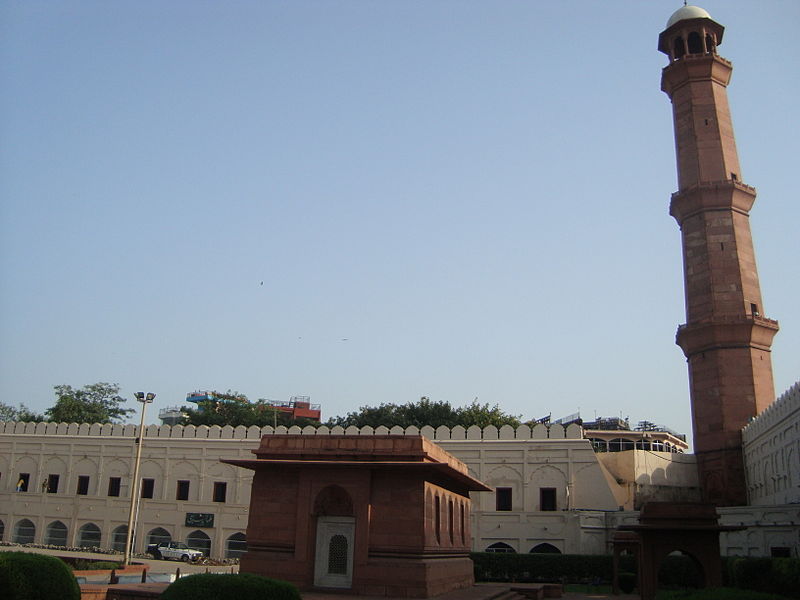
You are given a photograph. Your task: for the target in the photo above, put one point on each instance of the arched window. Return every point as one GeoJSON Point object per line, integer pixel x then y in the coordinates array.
{"type": "Point", "coordinates": [678, 48]}
{"type": "Point", "coordinates": [500, 547]}
{"type": "Point", "coordinates": [643, 445]}
{"type": "Point", "coordinates": [337, 555]}
{"type": "Point", "coordinates": [599, 445]}
{"type": "Point", "coordinates": [2, 530]}
{"type": "Point", "coordinates": [545, 548]}
{"type": "Point", "coordinates": [620, 444]}
{"type": "Point", "coordinates": [463, 524]}
{"type": "Point", "coordinates": [695, 43]}
{"type": "Point", "coordinates": [118, 538]}
{"type": "Point", "coordinates": [199, 541]}
{"type": "Point", "coordinates": [89, 536]}
{"type": "Point", "coordinates": [437, 519]}
{"type": "Point", "coordinates": [235, 546]}
{"type": "Point", "coordinates": [711, 47]}
{"type": "Point", "coordinates": [56, 534]}
{"type": "Point", "coordinates": [450, 519]}
{"type": "Point", "coordinates": [158, 535]}
{"type": "Point", "coordinates": [24, 532]}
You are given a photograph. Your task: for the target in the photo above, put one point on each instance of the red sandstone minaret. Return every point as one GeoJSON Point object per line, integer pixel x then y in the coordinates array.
{"type": "Point", "coordinates": [726, 338]}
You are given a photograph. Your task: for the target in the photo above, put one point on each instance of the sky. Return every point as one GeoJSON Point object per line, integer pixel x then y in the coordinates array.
{"type": "Point", "coordinates": [369, 202]}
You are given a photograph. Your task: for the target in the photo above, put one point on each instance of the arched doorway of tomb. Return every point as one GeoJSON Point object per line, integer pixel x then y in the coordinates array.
{"type": "Point", "coordinates": [56, 534]}
{"type": "Point", "coordinates": [336, 524]}
{"type": "Point", "coordinates": [545, 548]}
{"type": "Point", "coordinates": [680, 569]}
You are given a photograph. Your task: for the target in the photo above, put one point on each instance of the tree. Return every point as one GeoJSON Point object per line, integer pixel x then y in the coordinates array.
{"type": "Point", "coordinates": [23, 414]}
{"type": "Point", "coordinates": [483, 415]}
{"type": "Point", "coordinates": [426, 412]}
{"type": "Point", "coordinates": [96, 403]}
{"type": "Point", "coordinates": [233, 408]}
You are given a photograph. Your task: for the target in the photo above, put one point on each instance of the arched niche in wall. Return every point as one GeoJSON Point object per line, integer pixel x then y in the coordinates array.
{"type": "Point", "coordinates": [333, 501]}
{"type": "Point", "coordinates": [501, 547]}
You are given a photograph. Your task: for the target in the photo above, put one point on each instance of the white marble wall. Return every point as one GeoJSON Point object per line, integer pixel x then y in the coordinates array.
{"type": "Point", "coordinates": [772, 452]}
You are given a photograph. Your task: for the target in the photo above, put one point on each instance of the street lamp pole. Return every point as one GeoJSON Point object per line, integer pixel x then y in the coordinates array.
{"type": "Point", "coordinates": [129, 535]}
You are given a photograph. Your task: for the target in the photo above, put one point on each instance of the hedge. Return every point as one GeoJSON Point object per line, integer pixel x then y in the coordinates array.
{"type": "Point", "coordinates": [717, 594]}
{"type": "Point", "coordinates": [87, 564]}
{"type": "Point", "coordinates": [568, 568]}
{"type": "Point", "coordinates": [774, 575]}
{"type": "Point", "coordinates": [28, 576]}
{"type": "Point", "coordinates": [228, 586]}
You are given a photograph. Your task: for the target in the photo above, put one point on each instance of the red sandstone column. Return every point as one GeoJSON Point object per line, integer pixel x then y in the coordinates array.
{"type": "Point", "coordinates": [726, 338]}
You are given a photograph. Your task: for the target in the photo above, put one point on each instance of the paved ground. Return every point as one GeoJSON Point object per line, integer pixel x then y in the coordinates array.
{"type": "Point", "coordinates": [478, 592]}
{"type": "Point", "coordinates": [156, 566]}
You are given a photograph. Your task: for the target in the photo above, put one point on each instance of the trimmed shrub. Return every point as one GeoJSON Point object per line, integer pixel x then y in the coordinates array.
{"type": "Point", "coordinates": [228, 586]}
{"type": "Point", "coordinates": [567, 568]}
{"type": "Point", "coordinates": [775, 575]}
{"type": "Point", "coordinates": [786, 576]}
{"type": "Point", "coordinates": [28, 576]}
{"type": "Point", "coordinates": [82, 564]}
{"type": "Point", "coordinates": [627, 582]}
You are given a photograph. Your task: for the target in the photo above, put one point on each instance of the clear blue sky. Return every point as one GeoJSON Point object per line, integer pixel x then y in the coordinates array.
{"type": "Point", "coordinates": [453, 199]}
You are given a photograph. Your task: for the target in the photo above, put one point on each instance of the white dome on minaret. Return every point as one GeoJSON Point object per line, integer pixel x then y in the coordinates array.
{"type": "Point", "coordinates": [687, 12]}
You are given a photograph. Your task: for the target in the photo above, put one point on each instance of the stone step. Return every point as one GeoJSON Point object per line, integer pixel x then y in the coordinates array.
{"type": "Point", "coordinates": [509, 595]}
{"type": "Point", "coordinates": [536, 591]}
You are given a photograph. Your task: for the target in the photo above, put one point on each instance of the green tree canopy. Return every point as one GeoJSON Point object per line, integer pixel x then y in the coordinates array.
{"type": "Point", "coordinates": [233, 408]}
{"type": "Point", "coordinates": [96, 403]}
{"type": "Point", "coordinates": [20, 414]}
{"type": "Point", "coordinates": [427, 412]}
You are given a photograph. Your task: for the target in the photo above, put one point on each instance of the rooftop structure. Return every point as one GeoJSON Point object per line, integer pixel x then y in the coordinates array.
{"type": "Point", "coordinates": [298, 407]}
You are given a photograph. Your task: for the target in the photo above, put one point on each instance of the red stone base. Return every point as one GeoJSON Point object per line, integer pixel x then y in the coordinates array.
{"type": "Point", "coordinates": [276, 565]}
{"type": "Point", "coordinates": [394, 577]}
{"type": "Point", "coordinates": [413, 578]}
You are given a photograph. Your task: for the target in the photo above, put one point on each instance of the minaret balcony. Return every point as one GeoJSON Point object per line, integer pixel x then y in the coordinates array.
{"type": "Point", "coordinates": [729, 194]}
{"type": "Point", "coordinates": [695, 67]}
{"type": "Point", "coordinates": [746, 331]}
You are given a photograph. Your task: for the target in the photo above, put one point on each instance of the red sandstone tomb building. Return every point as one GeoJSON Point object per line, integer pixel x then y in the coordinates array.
{"type": "Point", "coordinates": [377, 515]}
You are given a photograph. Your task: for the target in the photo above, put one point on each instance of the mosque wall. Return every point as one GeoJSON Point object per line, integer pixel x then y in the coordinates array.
{"type": "Point", "coordinates": [552, 491]}
{"type": "Point", "coordinates": [771, 443]}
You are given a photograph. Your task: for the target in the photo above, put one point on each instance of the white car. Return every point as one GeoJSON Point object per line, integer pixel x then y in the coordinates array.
{"type": "Point", "coordinates": [174, 550]}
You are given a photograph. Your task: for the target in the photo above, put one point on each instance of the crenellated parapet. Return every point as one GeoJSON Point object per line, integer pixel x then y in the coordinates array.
{"type": "Point", "coordinates": [771, 444]}
{"type": "Point", "coordinates": [506, 432]}
{"type": "Point", "coordinates": [777, 413]}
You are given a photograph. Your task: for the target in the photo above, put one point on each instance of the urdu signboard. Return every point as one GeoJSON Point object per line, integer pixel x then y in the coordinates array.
{"type": "Point", "coordinates": [199, 519]}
